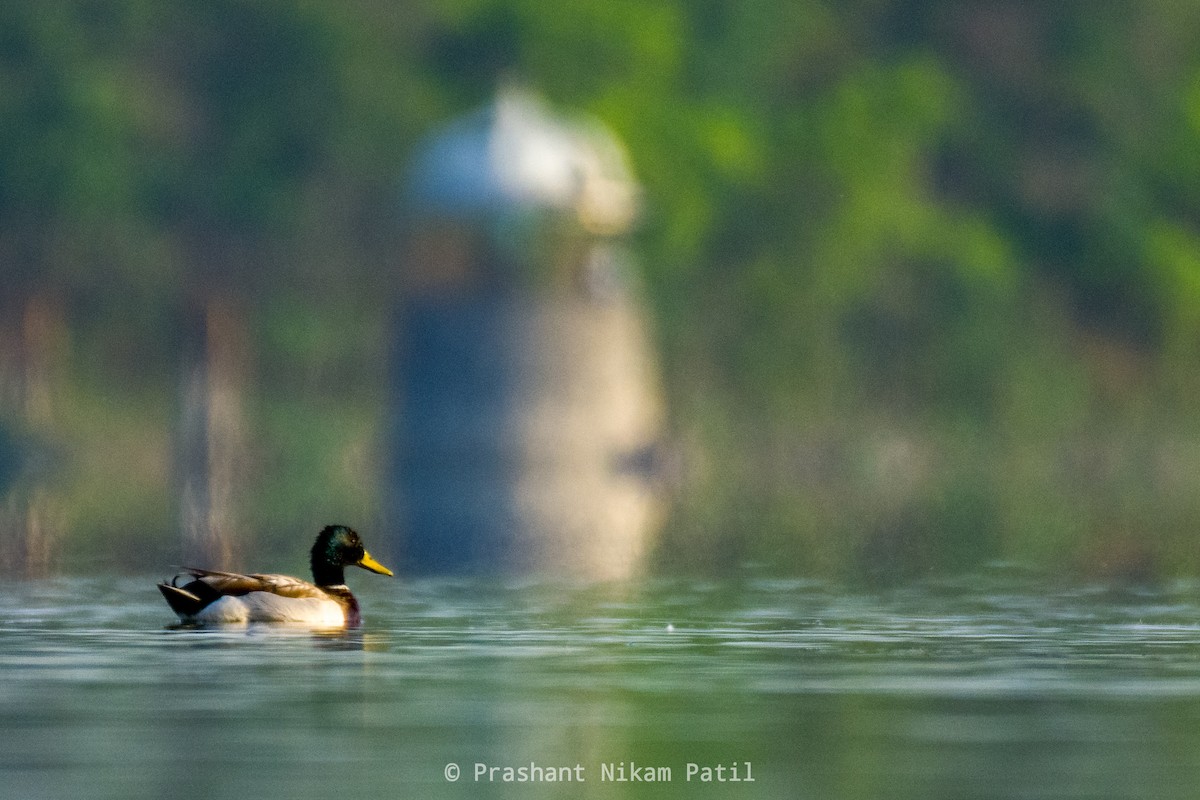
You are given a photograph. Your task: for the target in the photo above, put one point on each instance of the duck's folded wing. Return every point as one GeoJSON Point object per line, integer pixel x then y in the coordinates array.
{"type": "Point", "coordinates": [236, 583]}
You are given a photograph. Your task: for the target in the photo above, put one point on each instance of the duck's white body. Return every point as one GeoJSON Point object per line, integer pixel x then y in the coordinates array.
{"type": "Point", "coordinates": [243, 599]}
{"type": "Point", "coordinates": [267, 607]}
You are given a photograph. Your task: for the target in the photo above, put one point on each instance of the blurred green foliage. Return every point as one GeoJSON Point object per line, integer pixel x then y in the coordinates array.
{"type": "Point", "coordinates": [926, 275]}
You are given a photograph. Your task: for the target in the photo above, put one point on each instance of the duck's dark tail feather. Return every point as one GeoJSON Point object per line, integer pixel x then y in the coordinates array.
{"type": "Point", "coordinates": [190, 599]}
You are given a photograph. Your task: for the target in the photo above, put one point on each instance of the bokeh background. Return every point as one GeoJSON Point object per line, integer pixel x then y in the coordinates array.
{"type": "Point", "coordinates": [923, 276]}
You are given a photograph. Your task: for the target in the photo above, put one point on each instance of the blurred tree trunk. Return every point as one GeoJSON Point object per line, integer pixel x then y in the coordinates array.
{"type": "Point", "coordinates": [34, 345]}
{"type": "Point", "coordinates": [212, 437]}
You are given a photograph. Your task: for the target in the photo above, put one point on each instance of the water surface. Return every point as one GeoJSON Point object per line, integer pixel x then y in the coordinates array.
{"type": "Point", "coordinates": [981, 688]}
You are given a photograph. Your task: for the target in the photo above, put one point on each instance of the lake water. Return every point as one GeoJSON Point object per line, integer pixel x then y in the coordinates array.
{"type": "Point", "coordinates": [984, 688]}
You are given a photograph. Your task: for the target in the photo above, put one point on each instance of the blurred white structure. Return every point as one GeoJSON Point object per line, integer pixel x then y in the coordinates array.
{"type": "Point", "coordinates": [527, 400]}
{"type": "Point", "coordinates": [515, 155]}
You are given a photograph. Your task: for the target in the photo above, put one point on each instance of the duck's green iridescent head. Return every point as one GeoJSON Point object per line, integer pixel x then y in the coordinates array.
{"type": "Point", "coordinates": [336, 547]}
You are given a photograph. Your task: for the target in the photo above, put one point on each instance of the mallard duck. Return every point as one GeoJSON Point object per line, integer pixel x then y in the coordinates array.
{"type": "Point", "coordinates": [230, 597]}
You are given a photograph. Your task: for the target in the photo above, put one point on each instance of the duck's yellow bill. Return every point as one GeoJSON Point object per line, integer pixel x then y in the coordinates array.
{"type": "Point", "coordinates": [366, 562]}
